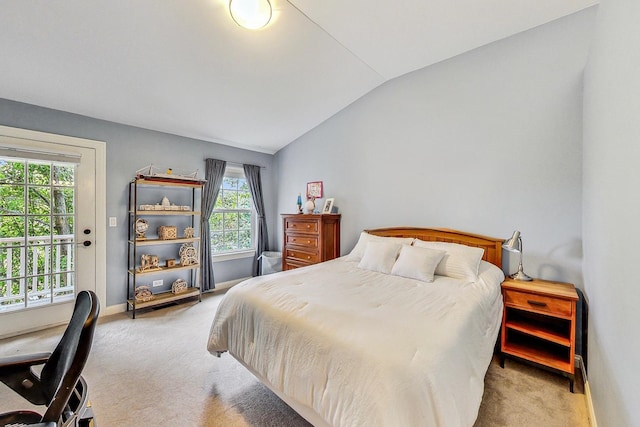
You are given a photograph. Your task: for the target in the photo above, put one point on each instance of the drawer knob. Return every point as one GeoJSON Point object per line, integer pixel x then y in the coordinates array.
{"type": "Point", "coordinates": [308, 257]}
{"type": "Point", "coordinates": [308, 242]}
{"type": "Point", "coordinates": [537, 303]}
{"type": "Point", "coordinates": [308, 226]}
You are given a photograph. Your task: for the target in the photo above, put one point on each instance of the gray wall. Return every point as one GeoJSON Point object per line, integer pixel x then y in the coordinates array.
{"type": "Point", "coordinates": [611, 209]}
{"type": "Point", "coordinates": [129, 149]}
{"type": "Point", "coordinates": [488, 142]}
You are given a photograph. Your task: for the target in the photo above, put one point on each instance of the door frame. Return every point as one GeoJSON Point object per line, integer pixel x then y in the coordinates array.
{"type": "Point", "coordinates": [101, 194]}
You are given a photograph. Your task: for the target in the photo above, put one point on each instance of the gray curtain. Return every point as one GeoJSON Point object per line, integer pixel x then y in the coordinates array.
{"type": "Point", "coordinates": [214, 173]}
{"type": "Point", "coordinates": [252, 174]}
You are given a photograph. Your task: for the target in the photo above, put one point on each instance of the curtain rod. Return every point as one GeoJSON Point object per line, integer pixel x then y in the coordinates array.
{"type": "Point", "coordinates": [236, 163]}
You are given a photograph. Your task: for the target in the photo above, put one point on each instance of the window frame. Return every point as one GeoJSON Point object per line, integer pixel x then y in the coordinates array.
{"type": "Point", "coordinates": [235, 172]}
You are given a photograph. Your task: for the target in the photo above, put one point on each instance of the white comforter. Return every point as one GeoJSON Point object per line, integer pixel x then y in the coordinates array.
{"type": "Point", "coordinates": [362, 348]}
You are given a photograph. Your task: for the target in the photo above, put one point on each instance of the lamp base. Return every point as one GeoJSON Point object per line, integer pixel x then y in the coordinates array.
{"type": "Point", "coordinates": [520, 275]}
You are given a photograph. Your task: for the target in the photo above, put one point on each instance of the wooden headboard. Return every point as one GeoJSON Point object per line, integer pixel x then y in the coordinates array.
{"type": "Point", "coordinates": [492, 246]}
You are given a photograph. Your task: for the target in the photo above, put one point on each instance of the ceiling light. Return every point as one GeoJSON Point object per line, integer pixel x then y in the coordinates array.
{"type": "Point", "coordinates": [250, 14]}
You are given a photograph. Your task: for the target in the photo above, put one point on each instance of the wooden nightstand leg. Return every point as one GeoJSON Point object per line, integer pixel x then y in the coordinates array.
{"type": "Point", "coordinates": [571, 381]}
{"type": "Point", "coordinates": [502, 361]}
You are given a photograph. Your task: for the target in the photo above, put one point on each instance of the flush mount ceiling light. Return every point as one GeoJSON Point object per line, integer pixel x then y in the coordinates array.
{"type": "Point", "coordinates": [250, 14]}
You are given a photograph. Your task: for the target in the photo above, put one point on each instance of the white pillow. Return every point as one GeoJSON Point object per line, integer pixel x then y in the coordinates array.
{"type": "Point", "coordinates": [460, 261]}
{"type": "Point", "coordinates": [357, 252]}
{"type": "Point", "coordinates": [417, 263]}
{"type": "Point", "coordinates": [379, 256]}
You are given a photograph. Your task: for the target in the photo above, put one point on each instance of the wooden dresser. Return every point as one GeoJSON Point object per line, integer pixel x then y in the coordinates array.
{"type": "Point", "coordinates": [309, 239]}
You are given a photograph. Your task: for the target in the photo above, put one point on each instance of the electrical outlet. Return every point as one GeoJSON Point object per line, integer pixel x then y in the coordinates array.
{"type": "Point", "coordinates": [157, 283]}
{"type": "Point", "coordinates": [113, 221]}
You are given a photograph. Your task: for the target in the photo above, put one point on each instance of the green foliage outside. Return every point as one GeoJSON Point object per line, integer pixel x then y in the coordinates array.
{"type": "Point", "coordinates": [231, 219]}
{"type": "Point", "coordinates": [36, 199]}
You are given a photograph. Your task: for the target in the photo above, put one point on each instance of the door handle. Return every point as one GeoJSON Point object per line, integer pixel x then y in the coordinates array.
{"type": "Point", "coordinates": [85, 243]}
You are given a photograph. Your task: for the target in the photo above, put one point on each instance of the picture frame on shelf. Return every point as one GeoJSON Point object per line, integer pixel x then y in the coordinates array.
{"type": "Point", "coordinates": [328, 206]}
{"type": "Point", "coordinates": [314, 190]}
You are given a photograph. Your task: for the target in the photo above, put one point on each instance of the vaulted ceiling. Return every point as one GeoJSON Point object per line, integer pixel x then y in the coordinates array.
{"type": "Point", "coordinates": [184, 67]}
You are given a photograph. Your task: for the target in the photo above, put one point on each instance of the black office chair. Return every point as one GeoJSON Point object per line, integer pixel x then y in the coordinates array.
{"type": "Point", "coordinates": [59, 385]}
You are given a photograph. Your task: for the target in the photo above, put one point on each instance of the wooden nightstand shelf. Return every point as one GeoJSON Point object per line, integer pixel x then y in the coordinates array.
{"type": "Point", "coordinates": [539, 324]}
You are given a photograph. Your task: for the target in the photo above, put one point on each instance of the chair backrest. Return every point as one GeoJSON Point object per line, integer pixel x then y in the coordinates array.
{"type": "Point", "coordinates": [63, 369]}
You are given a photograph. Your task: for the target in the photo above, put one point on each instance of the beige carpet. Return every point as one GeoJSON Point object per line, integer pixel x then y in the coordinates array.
{"type": "Point", "coordinates": [155, 371]}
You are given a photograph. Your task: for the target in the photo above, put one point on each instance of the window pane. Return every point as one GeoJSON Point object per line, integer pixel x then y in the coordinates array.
{"type": "Point", "coordinates": [63, 200]}
{"type": "Point", "coordinates": [39, 200]}
{"type": "Point", "coordinates": [218, 204]}
{"type": "Point", "coordinates": [62, 225]}
{"type": "Point", "coordinates": [39, 174]}
{"type": "Point", "coordinates": [39, 226]}
{"type": "Point", "coordinates": [63, 175]}
{"type": "Point", "coordinates": [11, 171]}
{"type": "Point", "coordinates": [216, 221]}
{"type": "Point", "coordinates": [62, 258]}
{"type": "Point", "coordinates": [230, 199]}
{"type": "Point", "coordinates": [231, 240]}
{"type": "Point", "coordinates": [244, 220]}
{"type": "Point", "coordinates": [230, 183]}
{"type": "Point", "coordinates": [11, 199]}
{"type": "Point", "coordinates": [244, 200]}
{"type": "Point", "coordinates": [230, 221]}
{"type": "Point", "coordinates": [12, 289]}
{"type": "Point", "coordinates": [217, 243]}
{"type": "Point", "coordinates": [11, 226]}
{"type": "Point", "coordinates": [245, 239]}
{"type": "Point", "coordinates": [38, 258]}
{"type": "Point", "coordinates": [10, 262]}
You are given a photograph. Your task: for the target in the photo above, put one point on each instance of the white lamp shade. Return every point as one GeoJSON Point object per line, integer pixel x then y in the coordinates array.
{"type": "Point", "coordinates": [250, 14]}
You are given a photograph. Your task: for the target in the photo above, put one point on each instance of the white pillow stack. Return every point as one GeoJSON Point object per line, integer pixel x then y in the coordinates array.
{"type": "Point", "coordinates": [416, 259]}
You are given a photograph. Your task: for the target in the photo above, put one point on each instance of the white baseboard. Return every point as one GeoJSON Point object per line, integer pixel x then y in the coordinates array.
{"type": "Point", "coordinates": [121, 308]}
{"type": "Point", "coordinates": [587, 392]}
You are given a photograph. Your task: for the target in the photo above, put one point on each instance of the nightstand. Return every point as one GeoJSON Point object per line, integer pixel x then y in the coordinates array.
{"type": "Point", "coordinates": [539, 324]}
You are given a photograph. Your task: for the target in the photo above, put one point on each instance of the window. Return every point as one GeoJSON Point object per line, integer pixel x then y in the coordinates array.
{"type": "Point", "coordinates": [37, 212]}
{"type": "Point", "coordinates": [232, 220]}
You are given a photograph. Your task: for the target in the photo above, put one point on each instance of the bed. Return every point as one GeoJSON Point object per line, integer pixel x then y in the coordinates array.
{"type": "Point", "coordinates": [368, 339]}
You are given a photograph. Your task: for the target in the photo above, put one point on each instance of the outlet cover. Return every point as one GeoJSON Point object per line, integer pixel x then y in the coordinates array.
{"type": "Point", "coordinates": [157, 283]}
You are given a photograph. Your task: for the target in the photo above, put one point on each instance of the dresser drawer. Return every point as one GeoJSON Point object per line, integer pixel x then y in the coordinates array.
{"type": "Point", "coordinates": [539, 303]}
{"type": "Point", "coordinates": [306, 241]}
{"type": "Point", "coordinates": [301, 225]}
{"type": "Point", "coordinates": [307, 257]}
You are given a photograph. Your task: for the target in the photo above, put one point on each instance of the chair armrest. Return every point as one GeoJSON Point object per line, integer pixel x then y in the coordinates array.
{"type": "Point", "coordinates": [26, 418]}
{"type": "Point", "coordinates": [16, 373]}
{"type": "Point", "coordinates": [21, 361]}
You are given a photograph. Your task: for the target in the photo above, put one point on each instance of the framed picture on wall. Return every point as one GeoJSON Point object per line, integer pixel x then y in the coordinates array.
{"type": "Point", "coordinates": [328, 206]}
{"type": "Point", "coordinates": [314, 189]}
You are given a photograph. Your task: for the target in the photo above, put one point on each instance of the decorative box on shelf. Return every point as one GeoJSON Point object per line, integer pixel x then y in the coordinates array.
{"type": "Point", "coordinates": [167, 232]}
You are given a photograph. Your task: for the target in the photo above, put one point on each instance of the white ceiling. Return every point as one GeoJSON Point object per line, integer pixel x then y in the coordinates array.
{"type": "Point", "coordinates": [184, 67]}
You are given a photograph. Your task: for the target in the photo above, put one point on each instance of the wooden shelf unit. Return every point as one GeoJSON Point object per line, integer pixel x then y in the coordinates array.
{"type": "Point", "coordinates": [191, 273]}
{"type": "Point", "coordinates": [539, 323]}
